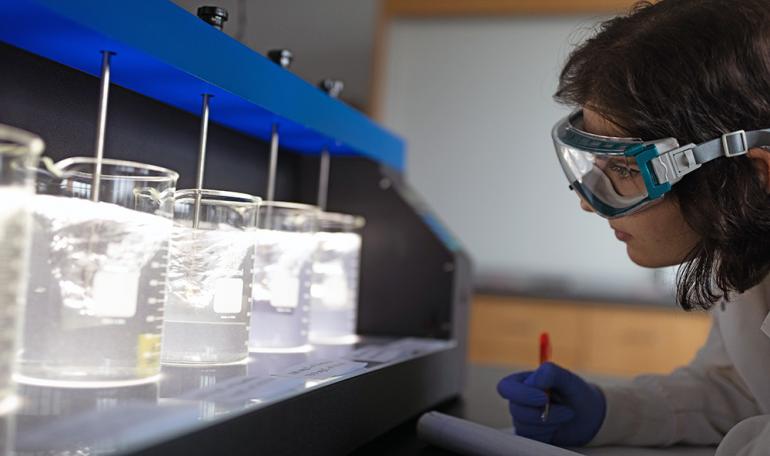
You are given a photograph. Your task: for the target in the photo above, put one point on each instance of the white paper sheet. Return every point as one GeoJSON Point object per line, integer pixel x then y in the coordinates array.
{"type": "Point", "coordinates": [400, 349]}
{"type": "Point", "coordinates": [472, 439]}
{"type": "Point", "coordinates": [321, 370]}
{"type": "Point", "coordinates": [241, 390]}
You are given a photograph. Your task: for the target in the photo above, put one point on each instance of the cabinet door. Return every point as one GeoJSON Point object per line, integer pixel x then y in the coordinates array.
{"type": "Point", "coordinates": [613, 339]}
{"type": "Point", "coordinates": [506, 331]}
{"type": "Point", "coordinates": [629, 341]}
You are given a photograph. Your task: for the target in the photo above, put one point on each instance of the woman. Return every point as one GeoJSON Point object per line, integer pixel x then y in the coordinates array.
{"type": "Point", "coordinates": [691, 78]}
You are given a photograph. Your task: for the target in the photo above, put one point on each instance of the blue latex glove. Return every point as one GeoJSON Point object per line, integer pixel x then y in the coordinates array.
{"type": "Point", "coordinates": [576, 412]}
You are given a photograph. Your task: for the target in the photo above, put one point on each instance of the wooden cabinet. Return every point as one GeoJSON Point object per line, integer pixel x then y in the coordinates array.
{"type": "Point", "coordinates": [506, 330]}
{"type": "Point", "coordinates": [597, 338]}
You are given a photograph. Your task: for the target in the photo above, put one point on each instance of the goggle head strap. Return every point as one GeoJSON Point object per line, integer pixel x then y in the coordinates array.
{"type": "Point", "coordinates": [670, 166]}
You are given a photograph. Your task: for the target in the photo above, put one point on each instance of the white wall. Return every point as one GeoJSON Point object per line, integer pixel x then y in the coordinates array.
{"type": "Point", "coordinates": [473, 99]}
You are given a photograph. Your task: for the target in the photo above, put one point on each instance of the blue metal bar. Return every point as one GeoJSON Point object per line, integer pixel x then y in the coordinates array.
{"type": "Point", "coordinates": [169, 55]}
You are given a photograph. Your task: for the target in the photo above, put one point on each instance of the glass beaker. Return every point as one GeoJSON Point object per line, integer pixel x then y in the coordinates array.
{"type": "Point", "coordinates": [19, 153]}
{"type": "Point", "coordinates": [97, 274]}
{"type": "Point", "coordinates": [334, 292]}
{"type": "Point", "coordinates": [280, 305]}
{"type": "Point", "coordinates": [209, 279]}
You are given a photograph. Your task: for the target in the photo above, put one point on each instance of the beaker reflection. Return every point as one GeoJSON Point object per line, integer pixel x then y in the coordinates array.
{"type": "Point", "coordinates": [7, 430]}
{"type": "Point", "coordinates": [176, 381]}
{"type": "Point", "coordinates": [266, 364]}
{"type": "Point", "coordinates": [56, 420]}
{"type": "Point", "coordinates": [189, 382]}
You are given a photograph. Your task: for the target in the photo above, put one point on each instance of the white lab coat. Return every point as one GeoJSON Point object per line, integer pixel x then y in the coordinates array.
{"type": "Point", "coordinates": [723, 395]}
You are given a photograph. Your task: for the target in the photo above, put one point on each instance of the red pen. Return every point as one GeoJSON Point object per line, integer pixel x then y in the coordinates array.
{"type": "Point", "coordinates": [545, 355]}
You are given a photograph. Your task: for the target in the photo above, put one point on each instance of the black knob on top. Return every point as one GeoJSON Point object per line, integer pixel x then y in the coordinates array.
{"type": "Point", "coordinates": [282, 57]}
{"type": "Point", "coordinates": [214, 15]}
{"type": "Point", "coordinates": [332, 87]}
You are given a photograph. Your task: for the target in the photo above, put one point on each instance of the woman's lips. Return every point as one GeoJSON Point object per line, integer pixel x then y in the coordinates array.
{"type": "Point", "coordinates": [622, 236]}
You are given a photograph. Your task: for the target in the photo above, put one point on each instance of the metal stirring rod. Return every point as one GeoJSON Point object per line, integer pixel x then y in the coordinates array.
{"type": "Point", "coordinates": [282, 58]}
{"type": "Point", "coordinates": [273, 167]}
{"type": "Point", "coordinates": [201, 158]}
{"type": "Point", "coordinates": [101, 124]}
{"type": "Point", "coordinates": [333, 88]}
{"type": "Point", "coordinates": [323, 179]}
{"type": "Point", "coordinates": [271, 175]}
{"type": "Point", "coordinates": [89, 271]}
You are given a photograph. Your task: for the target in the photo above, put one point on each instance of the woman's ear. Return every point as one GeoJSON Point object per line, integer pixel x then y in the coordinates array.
{"type": "Point", "coordinates": [760, 158]}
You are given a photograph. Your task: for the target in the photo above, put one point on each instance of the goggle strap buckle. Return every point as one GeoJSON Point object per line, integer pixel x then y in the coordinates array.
{"type": "Point", "coordinates": [672, 165]}
{"type": "Point", "coordinates": [735, 143]}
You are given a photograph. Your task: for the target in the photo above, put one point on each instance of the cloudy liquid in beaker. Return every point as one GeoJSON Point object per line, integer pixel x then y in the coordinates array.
{"type": "Point", "coordinates": [14, 239]}
{"type": "Point", "coordinates": [95, 295]}
{"type": "Point", "coordinates": [207, 313]}
{"type": "Point", "coordinates": [334, 293]}
{"type": "Point", "coordinates": [281, 290]}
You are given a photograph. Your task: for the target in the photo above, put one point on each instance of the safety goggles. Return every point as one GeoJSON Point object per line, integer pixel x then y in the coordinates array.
{"type": "Point", "coordinates": [621, 176]}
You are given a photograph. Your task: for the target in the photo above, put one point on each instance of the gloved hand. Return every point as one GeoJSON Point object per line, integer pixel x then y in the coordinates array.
{"type": "Point", "coordinates": [576, 412]}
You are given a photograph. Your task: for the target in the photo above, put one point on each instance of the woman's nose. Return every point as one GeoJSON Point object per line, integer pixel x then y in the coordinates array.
{"type": "Point", "coordinates": [585, 206]}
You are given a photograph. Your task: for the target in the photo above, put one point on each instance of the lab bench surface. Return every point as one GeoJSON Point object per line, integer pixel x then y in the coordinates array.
{"type": "Point", "coordinates": [315, 402]}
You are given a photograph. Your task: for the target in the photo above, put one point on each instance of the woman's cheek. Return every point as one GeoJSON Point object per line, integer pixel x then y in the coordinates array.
{"type": "Point", "coordinates": [661, 237]}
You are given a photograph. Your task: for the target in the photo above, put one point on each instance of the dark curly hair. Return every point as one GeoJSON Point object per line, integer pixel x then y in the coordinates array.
{"type": "Point", "coordinates": [692, 70]}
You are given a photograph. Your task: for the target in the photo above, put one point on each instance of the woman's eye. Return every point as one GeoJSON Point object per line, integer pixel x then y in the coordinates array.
{"type": "Point", "coordinates": [624, 171]}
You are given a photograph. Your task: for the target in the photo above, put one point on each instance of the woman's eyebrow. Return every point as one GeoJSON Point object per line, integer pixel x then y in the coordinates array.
{"type": "Point", "coordinates": [623, 161]}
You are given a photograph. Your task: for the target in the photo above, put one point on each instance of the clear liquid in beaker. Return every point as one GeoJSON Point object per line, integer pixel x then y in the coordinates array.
{"type": "Point", "coordinates": [14, 239]}
{"type": "Point", "coordinates": [207, 312]}
{"type": "Point", "coordinates": [95, 295]}
{"type": "Point", "coordinates": [281, 290]}
{"type": "Point", "coordinates": [334, 293]}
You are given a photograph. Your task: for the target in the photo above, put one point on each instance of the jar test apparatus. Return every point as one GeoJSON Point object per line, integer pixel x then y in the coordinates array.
{"type": "Point", "coordinates": [319, 121]}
